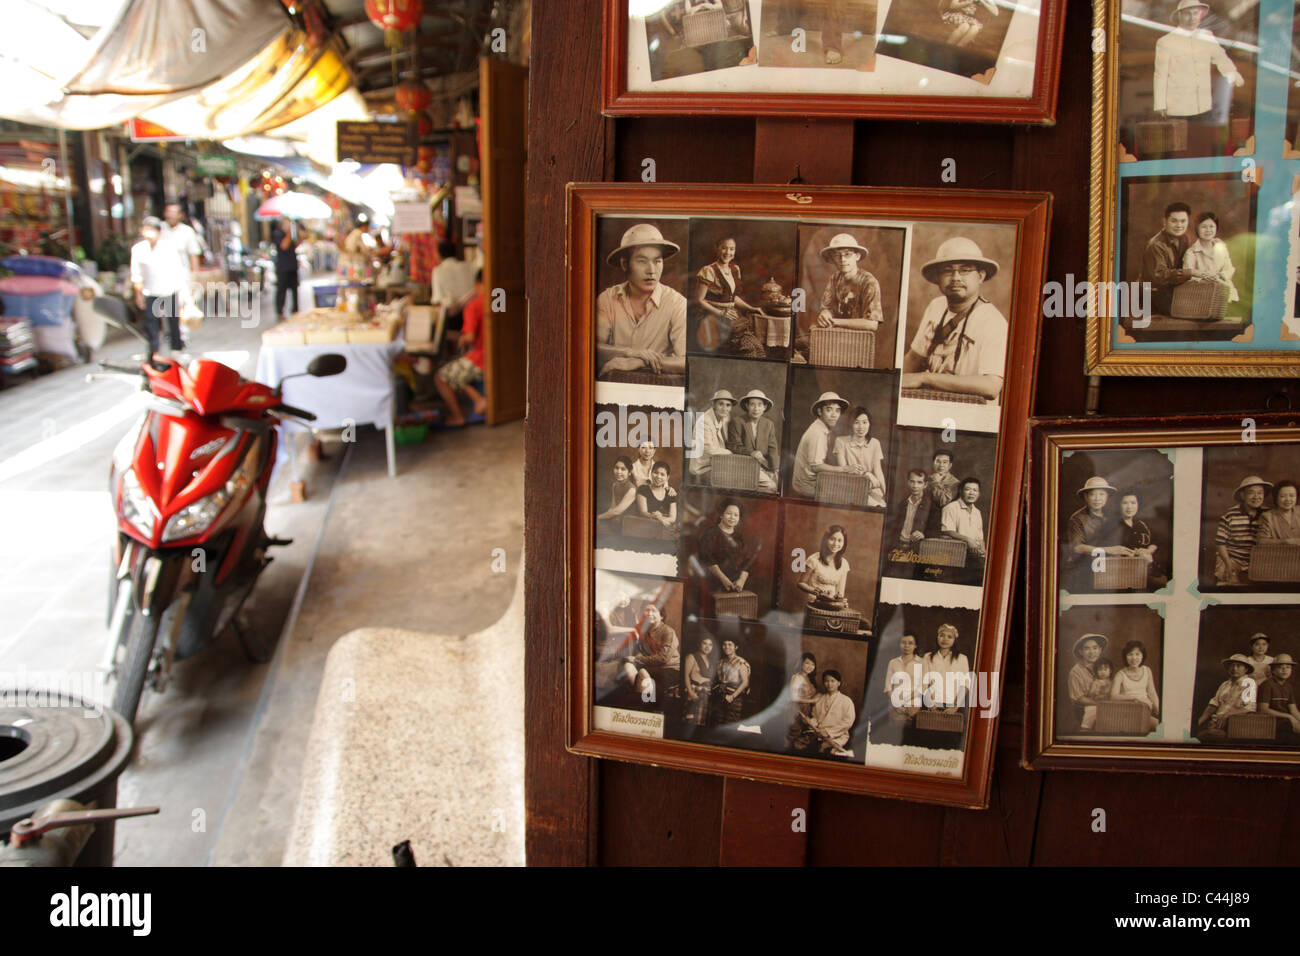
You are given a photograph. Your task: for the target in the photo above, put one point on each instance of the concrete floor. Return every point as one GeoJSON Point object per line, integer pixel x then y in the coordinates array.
{"type": "Point", "coordinates": [221, 750]}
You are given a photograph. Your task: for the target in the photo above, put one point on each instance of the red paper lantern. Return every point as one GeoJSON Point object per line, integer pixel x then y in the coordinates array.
{"type": "Point", "coordinates": [413, 96]}
{"type": "Point", "coordinates": [424, 159]}
{"type": "Point", "coordinates": [424, 125]}
{"type": "Point", "coordinates": [395, 17]}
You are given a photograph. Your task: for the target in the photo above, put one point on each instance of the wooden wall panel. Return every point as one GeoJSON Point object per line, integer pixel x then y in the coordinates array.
{"type": "Point", "coordinates": [602, 811]}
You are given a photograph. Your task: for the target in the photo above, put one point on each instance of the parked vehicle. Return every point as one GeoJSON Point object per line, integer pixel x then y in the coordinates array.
{"type": "Point", "coordinates": [189, 487]}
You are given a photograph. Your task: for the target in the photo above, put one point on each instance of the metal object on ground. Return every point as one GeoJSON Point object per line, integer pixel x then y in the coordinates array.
{"type": "Point", "coordinates": [57, 747]}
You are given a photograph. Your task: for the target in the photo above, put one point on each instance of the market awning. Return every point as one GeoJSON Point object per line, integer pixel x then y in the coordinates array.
{"type": "Point", "coordinates": [206, 69]}
{"type": "Point", "coordinates": [294, 206]}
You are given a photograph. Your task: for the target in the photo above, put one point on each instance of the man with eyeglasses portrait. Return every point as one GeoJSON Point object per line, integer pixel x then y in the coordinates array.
{"type": "Point", "coordinates": [962, 341]}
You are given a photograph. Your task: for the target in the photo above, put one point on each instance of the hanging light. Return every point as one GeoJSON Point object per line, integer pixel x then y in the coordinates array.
{"type": "Point", "coordinates": [395, 17]}
{"type": "Point", "coordinates": [413, 95]}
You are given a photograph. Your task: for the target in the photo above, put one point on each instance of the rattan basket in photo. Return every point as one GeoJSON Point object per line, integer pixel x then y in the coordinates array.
{"type": "Point", "coordinates": [841, 488]}
{"type": "Point", "coordinates": [939, 395]}
{"type": "Point", "coordinates": [1123, 717]}
{"type": "Point", "coordinates": [842, 348]}
{"type": "Point", "coordinates": [936, 720]}
{"type": "Point", "coordinates": [947, 552]}
{"type": "Point", "coordinates": [1275, 561]}
{"type": "Point", "coordinates": [1121, 572]}
{"type": "Point", "coordinates": [1252, 727]}
{"type": "Point", "coordinates": [1199, 300]}
{"type": "Point", "coordinates": [737, 603]}
{"type": "Point", "coordinates": [733, 471]}
{"type": "Point", "coordinates": [635, 526]}
{"type": "Point", "coordinates": [845, 621]}
{"type": "Point", "coordinates": [704, 26]}
{"type": "Point", "coordinates": [1161, 136]}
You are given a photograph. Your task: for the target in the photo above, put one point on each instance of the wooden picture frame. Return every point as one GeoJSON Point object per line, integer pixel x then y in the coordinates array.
{"type": "Point", "coordinates": [1003, 68]}
{"type": "Point", "coordinates": [1174, 138]}
{"type": "Point", "coordinates": [1206, 596]}
{"type": "Point", "coordinates": [786, 237]}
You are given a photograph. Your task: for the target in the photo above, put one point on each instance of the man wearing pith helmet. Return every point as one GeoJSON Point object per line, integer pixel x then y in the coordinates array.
{"type": "Point", "coordinates": [961, 344]}
{"type": "Point", "coordinates": [851, 298]}
{"type": "Point", "coordinates": [641, 323]}
{"type": "Point", "coordinates": [1183, 82]}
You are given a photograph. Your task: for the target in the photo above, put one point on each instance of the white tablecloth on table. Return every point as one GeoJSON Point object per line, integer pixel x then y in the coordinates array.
{"type": "Point", "coordinates": [361, 395]}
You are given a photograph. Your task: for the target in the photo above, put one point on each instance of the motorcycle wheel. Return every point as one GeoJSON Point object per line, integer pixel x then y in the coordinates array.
{"type": "Point", "coordinates": [135, 666]}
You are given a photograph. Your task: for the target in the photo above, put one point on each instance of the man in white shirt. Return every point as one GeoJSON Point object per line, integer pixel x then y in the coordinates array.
{"type": "Point", "coordinates": [963, 521]}
{"type": "Point", "coordinates": [182, 237]}
{"type": "Point", "coordinates": [641, 323]}
{"type": "Point", "coordinates": [810, 457]}
{"type": "Point", "coordinates": [711, 433]}
{"type": "Point", "coordinates": [1183, 81]}
{"type": "Point", "coordinates": [961, 343]}
{"type": "Point", "coordinates": [158, 276]}
{"type": "Point", "coordinates": [831, 721]}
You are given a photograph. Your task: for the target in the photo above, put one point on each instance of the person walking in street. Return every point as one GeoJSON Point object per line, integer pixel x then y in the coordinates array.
{"type": "Point", "coordinates": [285, 240]}
{"type": "Point", "coordinates": [157, 277]}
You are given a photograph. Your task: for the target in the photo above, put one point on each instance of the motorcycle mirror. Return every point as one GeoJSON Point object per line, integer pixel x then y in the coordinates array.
{"type": "Point", "coordinates": [117, 313]}
{"type": "Point", "coordinates": [328, 364]}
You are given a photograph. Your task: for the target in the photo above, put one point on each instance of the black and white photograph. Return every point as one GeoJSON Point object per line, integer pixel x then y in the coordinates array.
{"type": "Point", "coordinates": [922, 689]}
{"type": "Point", "coordinates": [742, 274]}
{"type": "Point", "coordinates": [1109, 668]}
{"type": "Point", "coordinates": [1250, 525]}
{"type": "Point", "coordinates": [852, 277]}
{"type": "Point", "coordinates": [955, 351]}
{"type": "Point", "coordinates": [732, 671]}
{"type": "Point", "coordinates": [728, 548]}
{"type": "Point", "coordinates": [637, 643]}
{"type": "Point", "coordinates": [641, 306]}
{"type": "Point", "coordinates": [739, 418]}
{"type": "Point", "coordinates": [934, 531]}
{"type": "Point", "coordinates": [1115, 520]}
{"type": "Point", "coordinates": [1245, 676]}
{"type": "Point", "coordinates": [819, 711]}
{"type": "Point", "coordinates": [683, 37]}
{"type": "Point", "coordinates": [964, 37]}
{"type": "Point", "coordinates": [638, 488]}
{"type": "Point", "coordinates": [1187, 77]}
{"type": "Point", "coordinates": [1192, 238]}
{"type": "Point", "coordinates": [829, 560]}
{"type": "Point", "coordinates": [818, 34]}
{"type": "Point", "coordinates": [838, 434]}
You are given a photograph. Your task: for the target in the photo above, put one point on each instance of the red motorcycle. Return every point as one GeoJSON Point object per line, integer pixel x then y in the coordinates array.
{"type": "Point", "coordinates": [189, 489]}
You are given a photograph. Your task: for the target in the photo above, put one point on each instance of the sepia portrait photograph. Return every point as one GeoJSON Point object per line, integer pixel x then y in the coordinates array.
{"type": "Point", "coordinates": [818, 33]}
{"type": "Point", "coordinates": [683, 37]}
{"type": "Point", "coordinates": [936, 528]}
{"type": "Point", "coordinates": [1191, 240]}
{"type": "Point", "coordinates": [732, 671]}
{"type": "Point", "coordinates": [852, 277]}
{"type": "Point", "coordinates": [922, 688]}
{"type": "Point", "coordinates": [828, 568]}
{"type": "Point", "coordinates": [637, 642]}
{"type": "Point", "coordinates": [742, 274]}
{"type": "Point", "coordinates": [728, 549]}
{"type": "Point", "coordinates": [819, 710]}
{"type": "Point", "coordinates": [955, 336]}
{"type": "Point", "coordinates": [1245, 671]}
{"type": "Point", "coordinates": [1250, 525]}
{"type": "Point", "coordinates": [739, 418]}
{"type": "Point", "coordinates": [1109, 667]}
{"type": "Point", "coordinates": [1115, 520]}
{"type": "Point", "coordinates": [964, 37]}
{"type": "Point", "coordinates": [638, 489]}
{"type": "Point", "coordinates": [1187, 76]}
{"type": "Point", "coordinates": [641, 303]}
{"type": "Point", "coordinates": [838, 436]}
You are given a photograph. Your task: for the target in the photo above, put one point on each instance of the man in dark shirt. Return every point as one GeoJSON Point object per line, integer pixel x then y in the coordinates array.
{"type": "Point", "coordinates": [1162, 261]}
{"type": "Point", "coordinates": [286, 265]}
{"type": "Point", "coordinates": [1276, 695]}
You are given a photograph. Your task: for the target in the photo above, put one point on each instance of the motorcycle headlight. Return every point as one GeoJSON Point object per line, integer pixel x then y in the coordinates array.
{"type": "Point", "coordinates": [137, 507]}
{"type": "Point", "coordinates": [197, 517]}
